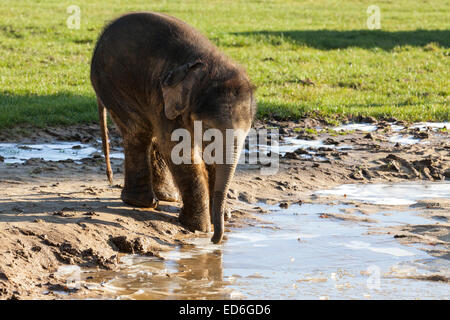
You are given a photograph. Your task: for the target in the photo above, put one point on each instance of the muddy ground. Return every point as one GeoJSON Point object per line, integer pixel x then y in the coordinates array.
{"type": "Point", "coordinates": [63, 212]}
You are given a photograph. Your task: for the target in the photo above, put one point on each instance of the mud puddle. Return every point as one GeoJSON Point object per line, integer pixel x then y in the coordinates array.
{"type": "Point", "coordinates": [400, 134]}
{"type": "Point", "coordinates": [390, 194]}
{"type": "Point", "coordinates": [347, 241]}
{"type": "Point", "coordinates": [304, 146]}
{"type": "Point", "coordinates": [309, 251]}
{"type": "Point", "coordinates": [370, 127]}
{"type": "Point", "coordinates": [19, 153]}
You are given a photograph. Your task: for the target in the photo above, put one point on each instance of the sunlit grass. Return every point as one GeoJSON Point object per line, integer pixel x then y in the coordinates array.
{"type": "Point", "coordinates": [313, 58]}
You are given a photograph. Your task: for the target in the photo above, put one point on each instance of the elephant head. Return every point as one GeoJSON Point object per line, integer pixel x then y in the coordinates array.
{"type": "Point", "coordinates": [222, 98]}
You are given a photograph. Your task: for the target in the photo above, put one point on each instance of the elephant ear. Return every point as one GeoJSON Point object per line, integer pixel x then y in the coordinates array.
{"type": "Point", "coordinates": [177, 86]}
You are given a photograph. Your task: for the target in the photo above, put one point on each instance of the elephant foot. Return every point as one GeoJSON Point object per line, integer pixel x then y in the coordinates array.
{"type": "Point", "coordinates": [139, 199]}
{"type": "Point", "coordinates": [167, 195]}
{"type": "Point", "coordinates": [193, 223]}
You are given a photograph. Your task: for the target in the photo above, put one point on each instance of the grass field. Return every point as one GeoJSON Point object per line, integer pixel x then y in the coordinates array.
{"type": "Point", "coordinates": [306, 57]}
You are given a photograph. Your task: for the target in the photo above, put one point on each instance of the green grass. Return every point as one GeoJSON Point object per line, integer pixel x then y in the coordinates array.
{"type": "Point", "coordinates": [399, 71]}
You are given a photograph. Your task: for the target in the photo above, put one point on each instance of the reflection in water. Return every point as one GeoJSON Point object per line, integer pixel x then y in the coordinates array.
{"type": "Point", "coordinates": [181, 275]}
{"type": "Point", "coordinates": [199, 272]}
{"type": "Point", "coordinates": [295, 254]}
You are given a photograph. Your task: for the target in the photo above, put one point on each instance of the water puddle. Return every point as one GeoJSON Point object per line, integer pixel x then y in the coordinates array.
{"type": "Point", "coordinates": [369, 127]}
{"type": "Point", "coordinates": [19, 153]}
{"type": "Point", "coordinates": [292, 144]}
{"type": "Point", "coordinates": [303, 252]}
{"type": "Point", "coordinates": [310, 149]}
{"type": "Point", "coordinates": [431, 125]}
{"type": "Point", "coordinates": [404, 139]}
{"type": "Point", "coordinates": [390, 194]}
{"type": "Point", "coordinates": [365, 127]}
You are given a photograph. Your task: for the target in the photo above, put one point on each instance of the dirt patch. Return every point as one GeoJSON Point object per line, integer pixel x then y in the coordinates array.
{"type": "Point", "coordinates": [55, 213]}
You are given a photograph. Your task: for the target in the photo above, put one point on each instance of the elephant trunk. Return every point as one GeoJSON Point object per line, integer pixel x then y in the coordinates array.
{"type": "Point", "coordinates": [223, 175]}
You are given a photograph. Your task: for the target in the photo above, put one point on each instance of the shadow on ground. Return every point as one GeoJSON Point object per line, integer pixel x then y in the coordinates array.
{"type": "Point", "coordinates": [57, 208]}
{"type": "Point", "coordinates": [367, 39]}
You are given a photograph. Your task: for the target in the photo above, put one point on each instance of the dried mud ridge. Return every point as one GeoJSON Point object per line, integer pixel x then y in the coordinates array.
{"type": "Point", "coordinates": [55, 213]}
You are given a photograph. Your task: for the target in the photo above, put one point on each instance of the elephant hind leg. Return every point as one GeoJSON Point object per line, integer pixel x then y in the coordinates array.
{"type": "Point", "coordinates": [162, 180]}
{"type": "Point", "coordinates": [138, 189]}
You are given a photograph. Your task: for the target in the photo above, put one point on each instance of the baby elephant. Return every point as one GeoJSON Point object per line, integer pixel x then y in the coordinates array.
{"type": "Point", "coordinates": [156, 74]}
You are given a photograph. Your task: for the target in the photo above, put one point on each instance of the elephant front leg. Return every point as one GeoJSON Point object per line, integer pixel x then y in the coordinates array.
{"type": "Point", "coordinates": [192, 183]}
{"type": "Point", "coordinates": [138, 190]}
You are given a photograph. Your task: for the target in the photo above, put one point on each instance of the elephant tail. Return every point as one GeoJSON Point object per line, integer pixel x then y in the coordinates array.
{"type": "Point", "coordinates": [105, 141]}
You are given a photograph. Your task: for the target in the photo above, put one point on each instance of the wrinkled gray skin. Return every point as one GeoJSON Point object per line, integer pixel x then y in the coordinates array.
{"type": "Point", "coordinates": [154, 73]}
